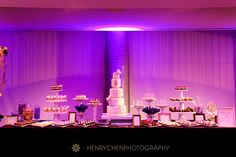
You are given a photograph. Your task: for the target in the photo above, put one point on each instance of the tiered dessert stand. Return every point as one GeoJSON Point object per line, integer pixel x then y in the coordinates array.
{"type": "Point", "coordinates": [94, 106]}
{"type": "Point", "coordinates": [182, 102]}
{"type": "Point", "coordinates": [81, 101]}
{"type": "Point", "coordinates": [56, 104]}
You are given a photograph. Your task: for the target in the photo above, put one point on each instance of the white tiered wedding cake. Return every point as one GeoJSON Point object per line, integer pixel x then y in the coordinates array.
{"type": "Point", "coordinates": [116, 110]}
{"type": "Point", "coordinates": [116, 97]}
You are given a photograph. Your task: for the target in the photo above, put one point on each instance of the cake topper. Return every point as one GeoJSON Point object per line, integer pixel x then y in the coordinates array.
{"type": "Point", "coordinates": [116, 74]}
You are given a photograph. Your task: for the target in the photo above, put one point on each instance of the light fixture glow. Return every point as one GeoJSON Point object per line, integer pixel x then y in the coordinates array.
{"type": "Point", "coordinates": [118, 29]}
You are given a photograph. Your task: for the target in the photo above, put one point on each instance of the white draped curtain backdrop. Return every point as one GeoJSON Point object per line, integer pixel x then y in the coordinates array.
{"type": "Point", "coordinates": [39, 58]}
{"type": "Point", "coordinates": [158, 61]}
{"type": "Point", "coordinates": [43, 55]}
{"type": "Point", "coordinates": [203, 60]}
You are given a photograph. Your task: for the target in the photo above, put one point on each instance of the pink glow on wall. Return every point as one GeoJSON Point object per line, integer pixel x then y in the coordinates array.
{"type": "Point", "coordinates": [91, 4]}
{"type": "Point", "coordinates": [116, 28]}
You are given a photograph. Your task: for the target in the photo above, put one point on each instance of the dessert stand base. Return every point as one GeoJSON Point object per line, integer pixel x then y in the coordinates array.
{"type": "Point", "coordinates": [182, 115]}
{"type": "Point", "coordinates": [56, 117]}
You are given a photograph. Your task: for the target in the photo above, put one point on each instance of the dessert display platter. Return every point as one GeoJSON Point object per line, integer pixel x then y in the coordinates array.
{"type": "Point", "coordinates": [181, 100]}
{"type": "Point", "coordinates": [80, 98]}
{"type": "Point", "coordinates": [149, 98]}
{"type": "Point", "coordinates": [57, 109]}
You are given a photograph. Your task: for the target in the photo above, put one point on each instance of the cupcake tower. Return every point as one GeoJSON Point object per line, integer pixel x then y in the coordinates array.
{"type": "Point", "coordinates": [56, 110]}
{"type": "Point", "coordinates": [181, 100]}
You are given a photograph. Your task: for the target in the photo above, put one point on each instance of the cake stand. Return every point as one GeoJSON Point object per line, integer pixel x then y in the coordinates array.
{"type": "Point", "coordinates": [162, 107]}
{"type": "Point", "coordinates": [182, 107]}
{"type": "Point", "coordinates": [94, 107]}
{"type": "Point", "coordinates": [150, 117]}
{"type": "Point", "coordinates": [138, 108]}
{"type": "Point", "coordinates": [81, 115]}
{"type": "Point", "coordinates": [181, 104]}
{"type": "Point", "coordinates": [81, 100]}
{"type": "Point", "coordinates": [162, 104]}
{"type": "Point", "coordinates": [56, 115]}
{"type": "Point", "coordinates": [149, 100]}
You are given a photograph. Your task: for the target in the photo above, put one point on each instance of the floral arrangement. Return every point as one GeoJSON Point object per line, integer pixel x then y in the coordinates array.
{"type": "Point", "coordinates": [150, 110]}
{"type": "Point", "coordinates": [211, 111]}
{"type": "Point", "coordinates": [3, 51]}
{"type": "Point", "coordinates": [81, 108]}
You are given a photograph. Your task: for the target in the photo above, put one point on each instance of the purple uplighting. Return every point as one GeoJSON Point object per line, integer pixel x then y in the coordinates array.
{"type": "Point", "coordinates": [81, 48]}
{"type": "Point", "coordinates": [89, 77]}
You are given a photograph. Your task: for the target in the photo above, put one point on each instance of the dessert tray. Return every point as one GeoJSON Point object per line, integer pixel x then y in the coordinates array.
{"type": "Point", "coordinates": [56, 100]}
{"type": "Point", "coordinates": [104, 124]}
{"type": "Point", "coordinates": [86, 123]}
{"type": "Point", "coordinates": [150, 124]}
{"type": "Point", "coordinates": [43, 124]}
{"type": "Point", "coordinates": [206, 123]}
{"type": "Point", "coordinates": [24, 123]}
{"type": "Point", "coordinates": [94, 102]}
{"type": "Point", "coordinates": [185, 123]}
{"type": "Point", "coordinates": [63, 123]}
{"type": "Point", "coordinates": [170, 124]}
{"type": "Point", "coordinates": [80, 98]}
{"type": "Point", "coordinates": [184, 99]}
{"type": "Point", "coordinates": [188, 109]}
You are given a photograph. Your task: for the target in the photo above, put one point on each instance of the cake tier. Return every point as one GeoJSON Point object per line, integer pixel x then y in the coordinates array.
{"type": "Point", "coordinates": [116, 102]}
{"type": "Point", "coordinates": [116, 92]}
{"type": "Point", "coordinates": [116, 111]}
{"type": "Point", "coordinates": [116, 83]}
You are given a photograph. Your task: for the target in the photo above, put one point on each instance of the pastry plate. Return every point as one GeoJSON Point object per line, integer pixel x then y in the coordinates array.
{"type": "Point", "coordinates": [77, 99]}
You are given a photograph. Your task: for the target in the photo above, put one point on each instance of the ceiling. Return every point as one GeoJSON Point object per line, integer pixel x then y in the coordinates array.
{"type": "Point", "coordinates": [90, 14]}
